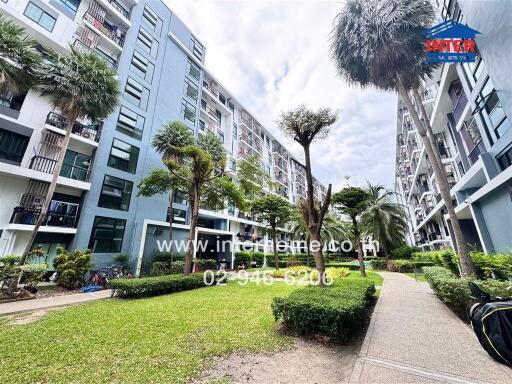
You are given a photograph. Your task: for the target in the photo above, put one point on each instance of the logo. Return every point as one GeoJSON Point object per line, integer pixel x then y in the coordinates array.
{"type": "Point", "coordinates": [450, 42]}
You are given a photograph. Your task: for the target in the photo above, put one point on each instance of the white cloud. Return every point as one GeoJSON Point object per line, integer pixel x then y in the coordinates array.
{"type": "Point", "coordinates": [274, 55]}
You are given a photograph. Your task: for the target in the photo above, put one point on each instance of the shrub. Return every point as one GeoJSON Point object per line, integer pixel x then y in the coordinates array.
{"type": "Point", "coordinates": [165, 257]}
{"type": "Point", "coordinates": [403, 252]}
{"type": "Point", "coordinates": [152, 286]}
{"type": "Point", "coordinates": [444, 258]}
{"type": "Point", "coordinates": [351, 266]}
{"type": "Point", "coordinates": [407, 265]}
{"type": "Point", "coordinates": [9, 267]}
{"type": "Point", "coordinates": [379, 264]}
{"type": "Point", "coordinates": [205, 264]}
{"type": "Point", "coordinates": [122, 258]}
{"type": "Point", "coordinates": [33, 274]}
{"type": "Point", "coordinates": [72, 267]}
{"type": "Point", "coordinates": [159, 268]}
{"type": "Point", "coordinates": [337, 273]}
{"type": "Point", "coordinates": [497, 266]}
{"type": "Point", "coordinates": [454, 291]}
{"type": "Point", "coordinates": [248, 257]}
{"type": "Point", "coordinates": [336, 311]}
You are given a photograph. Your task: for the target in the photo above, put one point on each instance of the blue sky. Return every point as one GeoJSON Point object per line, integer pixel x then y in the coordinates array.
{"type": "Point", "coordinates": [274, 55]}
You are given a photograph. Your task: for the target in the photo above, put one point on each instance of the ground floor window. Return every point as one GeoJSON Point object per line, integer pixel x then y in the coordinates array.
{"type": "Point", "coordinates": [107, 235]}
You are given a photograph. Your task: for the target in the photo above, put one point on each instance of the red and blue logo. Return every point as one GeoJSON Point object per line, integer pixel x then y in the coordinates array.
{"type": "Point", "coordinates": [450, 42]}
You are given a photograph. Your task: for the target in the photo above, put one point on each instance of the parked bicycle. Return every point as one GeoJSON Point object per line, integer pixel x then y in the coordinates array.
{"type": "Point", "coordinates": [103, 275]}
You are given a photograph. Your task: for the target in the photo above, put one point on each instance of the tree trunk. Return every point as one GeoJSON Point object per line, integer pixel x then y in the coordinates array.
{"type": "Point", "coordinates": [385, 249]}
{"type": "Point", "coordinates": [274, 245]}
{"type": "Point", "coordinates": [171, 219]}
{"type": "Point", "coordinates": [313, 225]}
{"type": "Point", "coordinates": [192, 231]}
{"type": "Point", "coordinates": [442, 183]}
{"type": "Point", "coordinates": [430, 132]}
{"type": "Point", "coordinates": [51, 189]}
{"type": "Point", "coordinates": [357, 236]}
{"type": "Point", "coordinates": [319, 260]}
{"type": "Point", "coordinates": [308, 250]}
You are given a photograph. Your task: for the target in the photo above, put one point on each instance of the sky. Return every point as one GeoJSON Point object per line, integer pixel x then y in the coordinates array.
{"type": "Point", "coordinates": [274, 56]}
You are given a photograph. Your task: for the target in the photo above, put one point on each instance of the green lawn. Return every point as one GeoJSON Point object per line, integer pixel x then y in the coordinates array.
{"type": "Point", "coordinates": [420, 277]}
{"type": "Point", "coordinates": [165, 339]}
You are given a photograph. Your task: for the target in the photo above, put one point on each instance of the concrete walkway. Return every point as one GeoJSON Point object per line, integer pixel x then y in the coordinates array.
{"type": "Point", "coordinates": [52, 302]}
{"type": "Point", "coordinates": [414, 338]}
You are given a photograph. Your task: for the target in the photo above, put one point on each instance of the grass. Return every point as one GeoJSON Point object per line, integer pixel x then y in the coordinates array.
{"type": "Point", "coordinates": [165, 339]}
{"type": "Point", "coordinates": [260, 269]}
{"type": "Point", "coordinates": [160, 339]}
{"type": "Point", "coordinates": [419, 277]}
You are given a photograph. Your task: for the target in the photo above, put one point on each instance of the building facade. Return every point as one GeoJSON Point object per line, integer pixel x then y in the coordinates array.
{"type": "Point", "coordinates": [161, 72]}
{"type": "Point", "coordinates": [469, 107]}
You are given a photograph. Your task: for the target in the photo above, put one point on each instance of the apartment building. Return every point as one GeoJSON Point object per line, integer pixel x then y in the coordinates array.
{"type": "Point", "coordinates": [160, 67]}
{"type": "Point", "coordinates": [469, 106]}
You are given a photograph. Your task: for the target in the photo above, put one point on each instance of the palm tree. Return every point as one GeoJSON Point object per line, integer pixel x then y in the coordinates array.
{"type": "Point", "coordinates": [167, 141]}
{"type": "Point", "coordinates": [19, 58]}
{"type": "Point", "coordinates": [384, 219]}
{"type": "Point", "coordinates": [378, 43]}
{"type": "Point", "coordinates": [80, 85]}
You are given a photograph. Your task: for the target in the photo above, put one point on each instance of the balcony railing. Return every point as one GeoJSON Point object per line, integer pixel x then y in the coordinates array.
{"type": "Point", "coordinates": [476, 152]}
{"type": "Point", "coordinates": [46, 165]}
{"type": "Point", "coordinates": [122, 10]}
{"type": "Point", "coordinates": [81, 47]}
{"type": "Point", "coordinates": [459, 107]}
{"type": "Point", "coordinates": [91, 132]}
{"type": "Point", "coordinates": [116, 35]}
{"type": "Point", "coordinates": [29, 216]}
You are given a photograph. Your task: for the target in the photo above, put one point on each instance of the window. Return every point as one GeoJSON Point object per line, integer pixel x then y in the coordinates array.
{"type": "Point", "coordinates": [151, 20]}
{"type": "Point", "coordinates": [147, 43]}
{"type": "Point", "coordinates": [188, 111]}
{"type": "Point", "coordinates": [142, 67]}
{"type": "Point", "coordinates": [191, 90]}
{"type": "Point", "coordinates": [222, 99]}
{"type": "Point", "coordinates": [179, 215]}
{"type": "Point", "coordinates": [76, 166]}
{"type": "Point", "coordinates": [107, 235]}
{"type": "Point", "coordinates": [197, 48]}
{"type": "Point", "coordinates": [12, 146]}
{"type": "Point", "coordinates": [235, 130]}
{"type": "Point", "coordinates": [180, 197]}
{"type": "Point", "coordinates": [232, 108]}
{"type": "Point", "coordinates": [44, 19]}
{"type": "Point", "coordinates": [221, 136]}
{"type": "Point", "coordinates": [115, 193]}
{"type": "Point", "coordinates": [488, 105]}
{"type": "Point", "coordinates": [130, 123]}
{"type": "Point", "coordinates": [473, 70]}
{"type": "Point", "coordinates": [123, 156]}
{"type": "Point", "coordinates": [136, 93]}
{"type": "Point", "coordinates": [70, 5]}
{"type": "Point", "coordinates": [505, 160]}
{"type": "Point", "coordinates": [218, 117]}
{"type": "Point", "coordinates": [193, 70]}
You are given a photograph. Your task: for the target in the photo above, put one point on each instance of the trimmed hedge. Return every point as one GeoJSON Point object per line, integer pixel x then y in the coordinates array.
{"type": "Point", "coordinates": [454, 291]}
{"type": "Point", "coordinates": [351, 266]}
{"type": "Point", "coordinates": [407, 265]}
{"type": "Point", "coordinates": [247, 257]}
{"type": "Point", "coordinates": [379, 264]}
{"type": "Point", "coordinates": [444, 258]}
{"type": "Point", "coordinates": [337, 311]}
{"type": "Point", "coordinates": [153, 286]}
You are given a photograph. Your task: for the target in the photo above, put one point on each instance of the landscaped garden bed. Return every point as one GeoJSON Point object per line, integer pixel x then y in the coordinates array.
{"type": "Point", "coordinates": [336, 311]}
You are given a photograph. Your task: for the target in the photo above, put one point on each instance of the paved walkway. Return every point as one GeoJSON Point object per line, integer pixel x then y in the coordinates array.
{"type": "Point", "coordinates": [414, 338]}
{"type": "Point", "coordinates": [51, 302]}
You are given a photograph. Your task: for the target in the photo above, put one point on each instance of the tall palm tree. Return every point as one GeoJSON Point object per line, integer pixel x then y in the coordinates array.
{"type": "Point", "coordinates": [19, 58]}
{"type": "Point", "coordinates": [378, 43]}
{"type": "Point", "coordinates": [384, 219]}
{"type": "Point", "coordinates": [80, 85]}
{"type": "Point", "coordinates": [167, 142]}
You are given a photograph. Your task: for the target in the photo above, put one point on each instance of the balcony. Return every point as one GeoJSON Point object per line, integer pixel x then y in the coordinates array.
{"type": "Point", "coordinates": [29, 216]}
{"type": "Point", "coordinates": [474, 155]}
{"type": "Point", "coordinates": [47, 165]}
{"type": "Point", "coordinates": [120, 8]}
{"type": "Point", "coordinates": [90, 132]}
{"type": "Point", "coordinates": [111, 32]}
{"type": "Point", "coordinates": [83, 48]}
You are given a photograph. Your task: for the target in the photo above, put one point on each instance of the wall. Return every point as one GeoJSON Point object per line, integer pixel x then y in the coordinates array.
{"type": "Point", "coordinates": [497, 211]}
